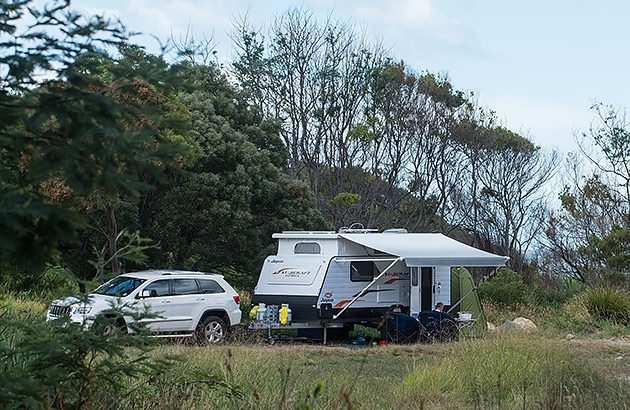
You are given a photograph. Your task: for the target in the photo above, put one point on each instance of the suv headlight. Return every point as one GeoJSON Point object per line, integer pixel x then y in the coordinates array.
{"type": "Point", "coordinates": [81, 310]}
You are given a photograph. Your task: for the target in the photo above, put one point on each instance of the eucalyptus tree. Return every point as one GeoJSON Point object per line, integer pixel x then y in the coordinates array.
{"type": "Point", "coordinates": [514, 192]}
{"type": "Point", "coordinates": [314, 77]}
{"type": "Point", "coordinates": [587, 238]}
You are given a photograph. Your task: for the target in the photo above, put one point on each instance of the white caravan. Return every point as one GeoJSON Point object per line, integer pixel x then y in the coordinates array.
{"type": "Point", "coordinates": [332, 280]}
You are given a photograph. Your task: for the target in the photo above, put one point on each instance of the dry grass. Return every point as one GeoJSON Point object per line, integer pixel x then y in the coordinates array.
{"type": "Point", "coordinates": [500, 371]}
{"type": "Point", "coordinates": [509, 370]}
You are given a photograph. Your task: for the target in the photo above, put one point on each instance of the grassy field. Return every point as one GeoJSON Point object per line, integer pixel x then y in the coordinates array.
{"type": "Point", "coordinates": [540, 370]}
{"type": "Point", "coordinates": [514, 370]}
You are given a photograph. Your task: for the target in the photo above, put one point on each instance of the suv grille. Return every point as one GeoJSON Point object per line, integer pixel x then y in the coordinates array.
{"type": "Point", "coordinates": [59, 310]}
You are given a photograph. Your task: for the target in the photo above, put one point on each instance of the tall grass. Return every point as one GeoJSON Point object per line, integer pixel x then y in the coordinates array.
{"type": "Point", "coordinates": [499, 371]}
{"type": "Point", "coordinates": [506, 371]}
{"type": "Point", "coordinates": [608, 303]}
{"type": "Point", "coordinates": [512, 371]}
{"type": "Point", "coordinates": [10, 311]}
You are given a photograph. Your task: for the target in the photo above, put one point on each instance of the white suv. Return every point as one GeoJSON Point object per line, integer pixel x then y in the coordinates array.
{"type": "Point", "coordinates": [187, 303]}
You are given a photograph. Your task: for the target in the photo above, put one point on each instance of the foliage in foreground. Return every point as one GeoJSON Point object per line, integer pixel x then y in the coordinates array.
{"type": "Point", "coordinates": [62, 365]}
{"type": "Point", "coordinates": [65, 131]}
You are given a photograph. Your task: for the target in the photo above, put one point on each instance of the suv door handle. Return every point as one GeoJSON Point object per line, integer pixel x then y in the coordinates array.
{"type": "Point", "coordinates": [201, 298]}
{"type": "Point", "coordinates": [166, 301]}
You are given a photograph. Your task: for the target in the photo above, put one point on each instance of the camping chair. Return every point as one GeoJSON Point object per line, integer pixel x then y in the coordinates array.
{"type": "Point", "coordinates": [437, 326]}
{"type": "Point", "coordinates": [401, 328]}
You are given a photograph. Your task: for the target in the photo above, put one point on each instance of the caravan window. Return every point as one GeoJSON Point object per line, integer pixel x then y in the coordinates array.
{"type": "Point", "coordinates": [307, 247]}
{"type": "Point", "coordinates": [361, 271]}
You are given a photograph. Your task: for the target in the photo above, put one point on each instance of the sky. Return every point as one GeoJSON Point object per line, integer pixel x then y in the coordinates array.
{"type": "Point", "coordinates": [539, 65]}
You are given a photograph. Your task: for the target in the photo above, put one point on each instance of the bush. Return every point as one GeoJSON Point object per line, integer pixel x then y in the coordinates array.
{"type": "Point", "coordinates": [62, 365]}
{"type": "Point", "coordinates": [506, 288]}
{"type": "Point", "coordinates": [608, 303]}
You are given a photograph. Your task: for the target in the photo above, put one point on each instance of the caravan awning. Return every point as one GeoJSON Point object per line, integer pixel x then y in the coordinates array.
{"type": "Point", "coordinates": [426, 249]}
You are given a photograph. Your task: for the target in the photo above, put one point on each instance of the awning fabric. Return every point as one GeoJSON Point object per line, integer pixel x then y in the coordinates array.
{"type": "Point", "coordinates": [426, 249]}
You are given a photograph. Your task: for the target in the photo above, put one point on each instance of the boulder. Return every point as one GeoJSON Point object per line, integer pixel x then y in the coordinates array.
{"type": "Point", "coordinates": [525, 324]}
{"type": "Point", "coordinates": [520, 323]}
{"type": "Point", "coordinates": [491, 327]}
{"type": "Point", "coordinates": [507, 325]}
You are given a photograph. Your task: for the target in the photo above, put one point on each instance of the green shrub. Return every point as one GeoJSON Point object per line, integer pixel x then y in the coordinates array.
{"type": "Point", "coordinates": [608, 303]}
{"type": "Point", "coordinates": [506, 288]}
{"type": "Point", "coordinates": [62, 365]}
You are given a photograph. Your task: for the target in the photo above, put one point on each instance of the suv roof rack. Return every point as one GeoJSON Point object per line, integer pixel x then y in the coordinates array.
{"type": "Point", "coordinates": [190, 273]}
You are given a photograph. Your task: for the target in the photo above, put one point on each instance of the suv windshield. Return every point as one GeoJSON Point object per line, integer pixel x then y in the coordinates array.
{"type": "Point", "coordinates": [120, 286]}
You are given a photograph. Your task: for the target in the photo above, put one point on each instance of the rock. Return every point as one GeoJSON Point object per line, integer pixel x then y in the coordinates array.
{"type": "Point", "coordinates": [520, 323]}
{"type": "Point", "coordinates": [570, 336]}
{"type": "Point", "coordinates": [525, 324]}
{"type": "Point", "coordinates": [491, 327]}
{"type": "Point", "coordinates": [507, 325]}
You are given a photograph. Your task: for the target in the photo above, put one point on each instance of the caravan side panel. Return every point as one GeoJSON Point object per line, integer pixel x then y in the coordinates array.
{"type": "Point", "coordinates": [338, 288]}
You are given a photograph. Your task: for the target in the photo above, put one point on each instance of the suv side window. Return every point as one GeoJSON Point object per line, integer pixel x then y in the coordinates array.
{"type": "Point", "coordinates": [185, 287]}
{"type": "Point", "coordinates": [210, 286]}
{"type": "Point", "coordinates": [160, 286]}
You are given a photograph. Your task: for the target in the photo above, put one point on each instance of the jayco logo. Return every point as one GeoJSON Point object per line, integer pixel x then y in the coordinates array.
{"type": "Point", "coordinates": [328, 297]}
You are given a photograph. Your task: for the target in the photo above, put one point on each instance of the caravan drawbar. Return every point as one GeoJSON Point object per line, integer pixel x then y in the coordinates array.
{"type": "Point", "coordinates": [327, 279]}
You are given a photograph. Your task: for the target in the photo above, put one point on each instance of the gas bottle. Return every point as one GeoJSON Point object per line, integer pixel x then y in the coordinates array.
{"type": "Point", "coordinates": [253, 312]}
{"type": "Point", "coordinates": [261, 314]}
{"type": "Point", "coordinates": [285, 314]}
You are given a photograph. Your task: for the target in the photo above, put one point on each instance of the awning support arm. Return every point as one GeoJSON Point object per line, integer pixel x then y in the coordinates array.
{"type": "Point", "coordinates": [474, 287]}
{"type": "Point", "coordinates": [367, 287]}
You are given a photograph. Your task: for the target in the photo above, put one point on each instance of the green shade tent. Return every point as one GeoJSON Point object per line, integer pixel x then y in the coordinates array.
{"type": "Point", "coordinates": [462, 283]}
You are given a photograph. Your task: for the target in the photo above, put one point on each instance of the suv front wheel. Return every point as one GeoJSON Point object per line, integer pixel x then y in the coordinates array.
{"type": "Point", "coordinates": [211, 329]}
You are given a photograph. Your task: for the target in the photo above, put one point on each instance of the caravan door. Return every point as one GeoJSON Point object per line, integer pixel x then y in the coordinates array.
{"type": "Point", "coordinates": [421, 295]}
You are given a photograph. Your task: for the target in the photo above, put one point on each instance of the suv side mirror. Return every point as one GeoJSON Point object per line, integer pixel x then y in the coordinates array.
{"type": "Point", "coordinates": [149, 293]}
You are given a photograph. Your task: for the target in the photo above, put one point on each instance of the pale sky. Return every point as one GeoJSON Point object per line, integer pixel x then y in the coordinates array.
{"type": "Point", "coordinates": [538, 64]}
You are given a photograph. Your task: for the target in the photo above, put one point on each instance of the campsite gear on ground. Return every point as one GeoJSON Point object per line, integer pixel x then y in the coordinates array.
{"type": "Point", "coordinates": [334, 280]}
{"type": "Point", "coordinates": [465, 315]}
{"type": "Point", "coordinates": [361, 338]}
{"type": "Point", "coordinates": [466, 328]}
{"type": "Point", "coordinates": [466, 299]}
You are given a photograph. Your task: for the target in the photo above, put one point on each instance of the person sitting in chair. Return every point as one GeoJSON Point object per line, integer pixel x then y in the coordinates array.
{"type": "Point", "coordinates": [438, 325]}
{"type": "Point", "coordinates": [439, 308]}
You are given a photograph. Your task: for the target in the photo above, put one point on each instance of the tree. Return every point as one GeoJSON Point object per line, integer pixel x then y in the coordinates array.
{"type": "Point", "coordinates": [610, 136]}
{"type": "Point", "coordinates": [57, 122]}
{"type": "Point", "coordinates": [314, 77]}
{"type": "Point", "coordinates": [221, 214]}
{"type": "Point", "coordinates": [590, 211]}
{"type": "Point", "coordinates": [588, 237]}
